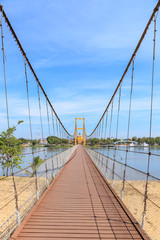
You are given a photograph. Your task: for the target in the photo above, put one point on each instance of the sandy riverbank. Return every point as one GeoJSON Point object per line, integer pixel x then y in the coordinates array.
{"type": "Point", "coordinates": [133, 199]}
{"type": "Point", "coordinates": [26, 190]}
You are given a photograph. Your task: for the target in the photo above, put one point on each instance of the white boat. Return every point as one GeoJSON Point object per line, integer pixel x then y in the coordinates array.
{"type": "Point", "coordinates": [131, 144]}
{"type": "Point", "coordinates": [145, 144]}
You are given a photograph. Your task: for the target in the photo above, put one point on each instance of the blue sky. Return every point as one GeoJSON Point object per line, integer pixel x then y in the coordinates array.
{"type": "Point", "coordinates": [79, 50]}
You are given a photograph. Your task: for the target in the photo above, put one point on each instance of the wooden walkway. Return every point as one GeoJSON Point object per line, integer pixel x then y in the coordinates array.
{"type": "Point", "coordinates": [79, 204]}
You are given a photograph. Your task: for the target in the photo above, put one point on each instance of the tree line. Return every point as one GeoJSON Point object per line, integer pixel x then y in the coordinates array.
{"type": "Point", "coordinates": [150, 140]}
{"type": "Point", "coordinates": [50, 139]}
{"type": "Point", "coordinates": [11, 147]}
{"type": "Point", "coordinates": [24, 141]}
{"type": "Point", "coordinates": [101, 141]}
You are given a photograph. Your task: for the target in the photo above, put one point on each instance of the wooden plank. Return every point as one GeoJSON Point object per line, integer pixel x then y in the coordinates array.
{"type": "Point", "coordinates": [79, 205]}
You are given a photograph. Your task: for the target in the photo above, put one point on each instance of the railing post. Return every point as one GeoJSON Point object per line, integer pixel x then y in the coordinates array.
{"type": "Point", "coordinates": [57, 166]}
{"type": "Point", "coordinates": [99, 159]}
{"type": "Point", "coordinates": [103, 165]}
{"type": "Point", "coordinates": [107, 162]}
{"type": "Point", "coordinates": [106, 167]}
{"type": "Point", "coordinates": [146, 191]}
{"type": "Point", "coordinates": [124, 177]}
{"type": "Point", "coordinates": [96, 157]}
{"type": "Point", "coordinates": [61, 160]}
{"type": "Point", "coordinates": [66, 158]}
{"type": "Point", "coordinates": [16, 200]}
{"type": "Point", "coordinates": [113, 166]}
{"type": "Point", "coordinates": [102, 162]}
{"type": "Point", "coordinates": [52, 168]}
{"type": "Point", "coordinates": [37, 186]}
{"type": "Point", "coordinates": [145, 203]}
{"type": "Point", "coordinates": [113, 173]}
{"type": "Point", "coordinates": [47, 183]}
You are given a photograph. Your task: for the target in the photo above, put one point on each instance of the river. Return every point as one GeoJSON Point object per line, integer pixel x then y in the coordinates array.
{"type": "Point", "coordinates": [43, 152]}
{"type": "Point", "coordinates": [137, 157]}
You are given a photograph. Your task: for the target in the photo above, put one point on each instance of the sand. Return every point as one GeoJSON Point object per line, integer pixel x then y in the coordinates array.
{"type": "Point", "coordinates": [133, 198]}
{"type": "Point", "coordinates": [26, 190]}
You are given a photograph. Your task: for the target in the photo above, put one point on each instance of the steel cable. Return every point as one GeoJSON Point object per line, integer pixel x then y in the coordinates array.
{"type": "Point", "coordinates": [150, 128]}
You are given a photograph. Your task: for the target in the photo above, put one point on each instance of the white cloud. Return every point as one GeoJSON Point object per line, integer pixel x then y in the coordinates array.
{"type": "Point", "coordinates": [83, 43]}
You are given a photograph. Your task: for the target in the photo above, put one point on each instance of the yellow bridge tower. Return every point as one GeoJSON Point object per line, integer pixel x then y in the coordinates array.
{"type": "Point", "coordinates": [79, 138]}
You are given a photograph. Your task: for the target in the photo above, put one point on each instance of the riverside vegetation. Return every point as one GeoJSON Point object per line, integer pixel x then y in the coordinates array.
{"type": "Point", "coordinates": [11, 149]}
{"type": "Point", "coordinates": [98, 142]}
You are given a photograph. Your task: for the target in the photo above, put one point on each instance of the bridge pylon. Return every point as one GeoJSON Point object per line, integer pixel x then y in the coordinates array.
{"type": "Point", "coordinates": [79, 138]}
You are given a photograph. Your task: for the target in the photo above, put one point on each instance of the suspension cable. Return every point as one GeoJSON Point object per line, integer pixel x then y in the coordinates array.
{"type": "Point", "coordinates": [111, 120]}
{"type": "Point", "coordinates": [28, 102]}
{"type": "Point", "coordinates": [105, 136]}
{"type": "Point", "coordinates": [57, 127]}
{"type": "Point", "coordinates": [128, 130]}
{"type": "Point", "coordinates": [53, 124]}
{"type": "Point", "coordinates": [102, 128]}
{"type": "Point", "coordinates": [129, 63]}
{"type": "Point", "coordinates": [30, 66]}
{"type": "Point", "coordinates": [4, 69]}
{"type": "Point", "coordinates": [59, 130]}
{"type": "Point", "coordinates": [129, 117]}
{"type": "Point", "coordinates": [119, 102]}
{"type": "Point", "coordinates": [40, 115]}
{"type": "Point", "coordinates": [40, 111]}
{"type": "Point", "coordinates": [150, 127]}
{"type": "Point", "coordinates": [48, 117]}
{"type": "Point", "coordinates": [99, 130]}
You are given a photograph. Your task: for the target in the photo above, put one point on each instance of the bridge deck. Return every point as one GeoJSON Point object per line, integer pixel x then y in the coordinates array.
{"type": "Point", "coordinates": [79, 204]}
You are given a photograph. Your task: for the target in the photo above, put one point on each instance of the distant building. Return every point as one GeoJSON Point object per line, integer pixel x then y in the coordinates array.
{"type": "Point", "coordinates": [26, 144]}
{"type": "Point", "coordinates": [43, 141]}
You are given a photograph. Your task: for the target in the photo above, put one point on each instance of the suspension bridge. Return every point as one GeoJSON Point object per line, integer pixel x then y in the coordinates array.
{"type": "Point", "coordinates": [81, 192]}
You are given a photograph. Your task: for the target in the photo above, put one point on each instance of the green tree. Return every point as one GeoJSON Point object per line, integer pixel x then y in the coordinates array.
{"type": "Point", "coordinates": [34, 142]}
{"type": "Point", "coordinates": [109, 141]}
{"type": "Point", "coordinates": [22, 140]}
{"type": "Point", "coordinates": [157, 140]}
{"type": "Point", "coordinates": [10, 150]}
{"type": "Point", "coordinates": [150, 141]}
{"type": "Point", "coordinates": [54, 140]}
{"type": "Point", "coordinates": [94, 141]}
{"type": "Point", "coordinates": [65, 141]}
{"type": "Point", "coordinates": [115, 140]}
{"type": "Point", "coordinates": [134, 139]}
{"type": "Point", "coordinates": [141, 140]}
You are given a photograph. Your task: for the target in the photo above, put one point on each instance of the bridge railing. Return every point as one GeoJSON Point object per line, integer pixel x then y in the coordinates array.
{"type": "Point", "coordinates": [132, 190]}
{"type": "Point", "coordinates": [22, 189]}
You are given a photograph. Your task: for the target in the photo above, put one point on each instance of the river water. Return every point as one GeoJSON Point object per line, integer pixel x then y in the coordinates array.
{"type": "Point", "coordinates": [42, 152]}
{"type": "Point", "coordinates": [137, 157]}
